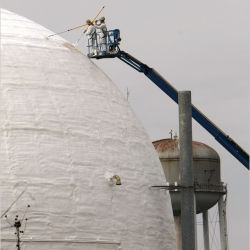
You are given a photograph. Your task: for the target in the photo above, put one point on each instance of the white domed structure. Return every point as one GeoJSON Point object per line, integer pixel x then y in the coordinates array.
{"type": "Point", "coordinates": [65, 131]}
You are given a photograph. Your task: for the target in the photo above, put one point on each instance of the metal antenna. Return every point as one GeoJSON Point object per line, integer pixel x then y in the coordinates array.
{"type": "Point", "coordinates": [18, 223]}
{"type": "Point", "coordinates": [171, 133]}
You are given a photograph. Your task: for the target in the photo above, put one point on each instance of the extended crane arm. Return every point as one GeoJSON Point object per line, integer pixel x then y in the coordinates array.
{"type": "Point", "coordinates": [166, 87]}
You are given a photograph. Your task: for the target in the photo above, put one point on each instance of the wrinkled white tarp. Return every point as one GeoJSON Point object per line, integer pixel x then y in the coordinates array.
{"type": "Point", "coordinates": [64, 127]}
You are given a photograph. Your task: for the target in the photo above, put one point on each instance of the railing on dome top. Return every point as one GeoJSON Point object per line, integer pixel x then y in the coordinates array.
{"type": "Point", "coordinates": [104, 47]}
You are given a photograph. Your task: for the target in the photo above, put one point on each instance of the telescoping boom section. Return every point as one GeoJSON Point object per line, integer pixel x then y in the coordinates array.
{"type": "Point", "coordinates": [114, 51]}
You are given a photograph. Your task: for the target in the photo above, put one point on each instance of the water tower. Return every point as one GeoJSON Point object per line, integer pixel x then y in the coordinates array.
{"type": "Point", "coordinates": [207, 179]}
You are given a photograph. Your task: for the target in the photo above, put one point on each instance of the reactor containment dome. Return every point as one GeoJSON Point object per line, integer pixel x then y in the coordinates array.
{"type": "Point", "coordinates": [66, 131]}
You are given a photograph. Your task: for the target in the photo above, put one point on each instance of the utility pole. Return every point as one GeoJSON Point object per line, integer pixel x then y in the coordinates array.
{"type": "Point", "coordinates": [188, 206]}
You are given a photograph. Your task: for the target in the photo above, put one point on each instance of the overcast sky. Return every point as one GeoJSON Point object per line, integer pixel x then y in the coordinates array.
{"type": "Point", "coordinates": [196, 45]}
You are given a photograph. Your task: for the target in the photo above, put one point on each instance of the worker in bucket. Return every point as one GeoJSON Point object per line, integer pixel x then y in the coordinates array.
{"type": "Point", "coordinates": [91, 35]}
{"type": "Point", "coordinates": [102, 33]}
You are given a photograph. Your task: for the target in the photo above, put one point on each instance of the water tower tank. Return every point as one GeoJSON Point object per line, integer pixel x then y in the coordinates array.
{"type": "Point", "coordinates": [207, 179]}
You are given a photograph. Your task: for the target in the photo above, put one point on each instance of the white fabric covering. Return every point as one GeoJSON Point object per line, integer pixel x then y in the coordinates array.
{"type": "Point", "coordinates": [65, 127]}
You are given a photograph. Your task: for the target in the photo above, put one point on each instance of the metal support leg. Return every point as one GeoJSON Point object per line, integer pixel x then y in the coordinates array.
{"type": "Point", "coordinates": [188, 207]}
{"type": "Point", "coordinates": [223, 223]}
{"type": "Point", "coordinates": [177, 223]}
{"type": "Point", "coordinates": [205, 230]}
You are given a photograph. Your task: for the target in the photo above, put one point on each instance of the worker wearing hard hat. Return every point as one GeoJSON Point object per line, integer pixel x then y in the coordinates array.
{"type": "Point", "coordinates": [91, 35]}
{"type": "Point", "coordinates": [102, 33]}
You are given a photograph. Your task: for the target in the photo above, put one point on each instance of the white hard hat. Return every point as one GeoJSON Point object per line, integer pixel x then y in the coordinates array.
{"type": "Point", "coordinates": [102, 18]}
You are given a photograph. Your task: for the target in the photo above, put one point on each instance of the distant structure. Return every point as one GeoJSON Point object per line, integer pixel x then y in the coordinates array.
{"type": "Point", "coordinates": [207, 180]}
{"type": "Point", "coordinates": [70, 140]}
{"type": "Point", "coordinates": [19, 224]}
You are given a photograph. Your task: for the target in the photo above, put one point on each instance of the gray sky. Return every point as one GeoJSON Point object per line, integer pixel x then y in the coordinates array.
{"type": "Point", "coordinates": [196, 45]}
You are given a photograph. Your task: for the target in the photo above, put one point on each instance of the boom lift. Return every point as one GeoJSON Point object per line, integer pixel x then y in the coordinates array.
{"type": "Point", "coordinates": [113, 50]}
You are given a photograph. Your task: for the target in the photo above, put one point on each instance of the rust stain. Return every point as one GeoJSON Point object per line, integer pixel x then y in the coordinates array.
{"type": "Point", "coordinates": [172, 145]}
{"type": "Point", "coordinates": [166, 145]}
{"type": "Point", "coordinates": [200, 144]}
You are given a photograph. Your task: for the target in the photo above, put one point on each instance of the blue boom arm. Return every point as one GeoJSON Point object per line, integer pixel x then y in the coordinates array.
{"type": "Point", "coordinates": [166, 87]}
{"type": "Point", "coordinates": [112, 44]}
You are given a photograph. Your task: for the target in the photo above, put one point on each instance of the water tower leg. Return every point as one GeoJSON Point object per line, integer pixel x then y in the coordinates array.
{"type": "Point", "coordinates": [205, 230]}
{"type": "Point", "coordinates": [223, 222]}
{"type": "Point", "coordinates": [177, 223]}
{"type": "Point", "coordinates": [188, 207]}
